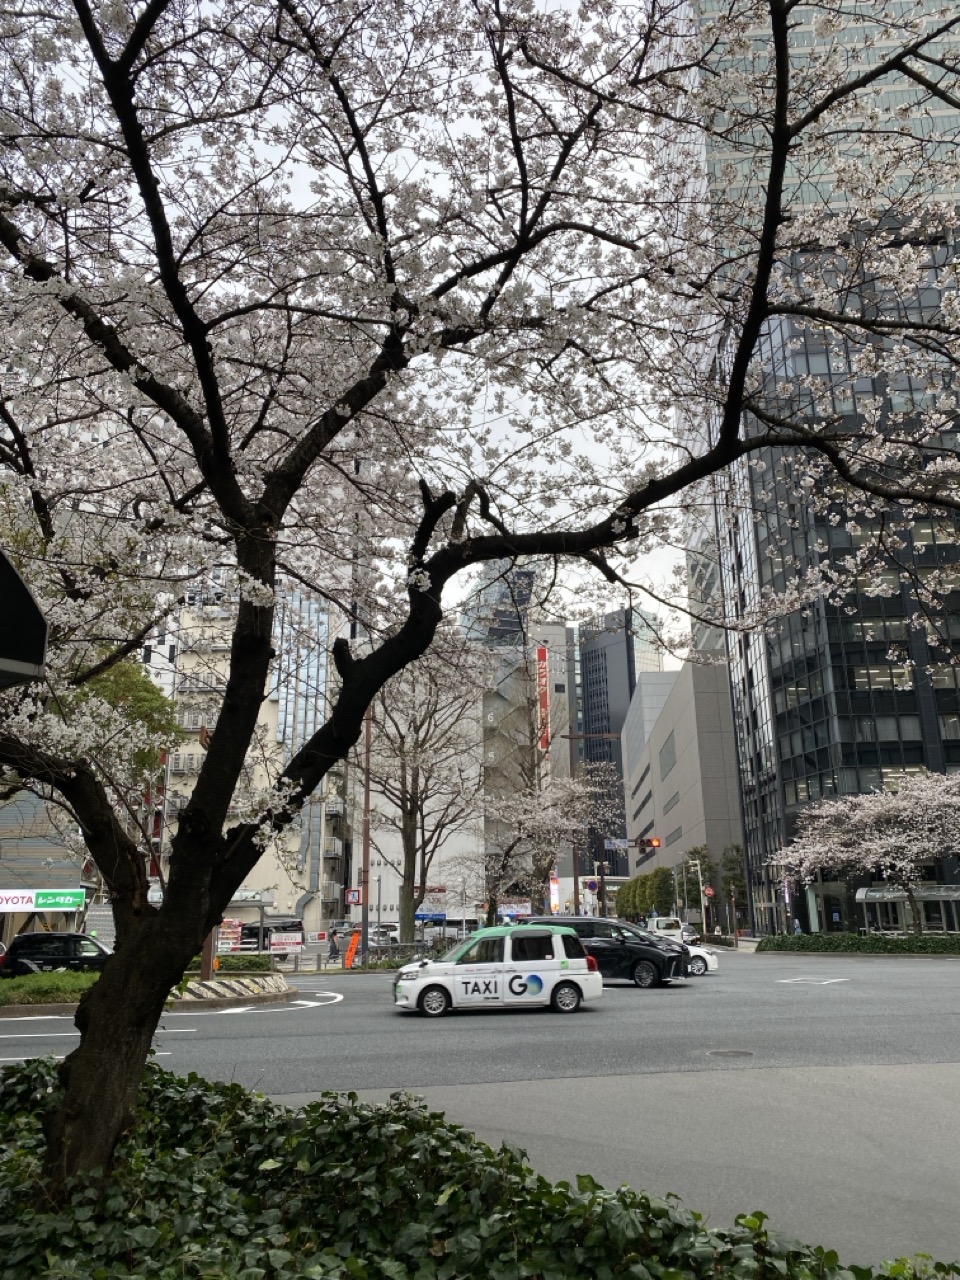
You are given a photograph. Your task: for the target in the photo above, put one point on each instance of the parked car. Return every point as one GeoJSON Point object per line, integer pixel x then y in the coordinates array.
{"type": "Point", "coordinates": [503, 967]}
{"type": "Point", "coordinates": [624, 951]}
{"type": "Point", "coordinates": [45, 952]}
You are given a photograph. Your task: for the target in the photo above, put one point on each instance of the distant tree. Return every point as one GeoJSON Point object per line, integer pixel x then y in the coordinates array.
{"type": "Point", "coordinates": [425, 764]}
{"type": "Point", "coordinates": [526, 827]}
{"type": "Point", "coordinates": [661, 890]}
{"type": "Point", "coordinates": [894, 834]}
{"type": "Point", "coordinates": [733, 879]}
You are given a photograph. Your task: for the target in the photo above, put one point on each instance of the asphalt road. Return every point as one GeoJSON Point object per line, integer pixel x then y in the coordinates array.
{"type": "Point", "coordinates": [823, 1090]}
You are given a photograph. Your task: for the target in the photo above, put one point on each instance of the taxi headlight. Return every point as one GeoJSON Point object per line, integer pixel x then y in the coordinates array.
{"type": "Point", "coordinates": [408, 975]}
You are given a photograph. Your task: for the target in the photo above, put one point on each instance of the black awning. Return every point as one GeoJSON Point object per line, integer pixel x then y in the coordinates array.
{"type": "Point", "coordinates": [23, 630]}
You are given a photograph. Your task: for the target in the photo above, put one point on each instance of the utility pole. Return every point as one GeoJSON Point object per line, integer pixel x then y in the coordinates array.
{"type": "Point", "coordinates": [602, 869]}
{"type": "Point", "coordinates": [365, 869]}
{"type": "Point", "coordinates": [733, 901]}
{"type": "Point", "coordinates": [703, 901]}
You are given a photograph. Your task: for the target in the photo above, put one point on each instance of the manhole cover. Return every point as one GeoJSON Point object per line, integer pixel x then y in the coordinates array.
{"type": "Point", "coordinates": [729, 1053]}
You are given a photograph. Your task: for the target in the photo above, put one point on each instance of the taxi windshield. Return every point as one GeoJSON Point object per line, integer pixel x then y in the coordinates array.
{"type": "Point", "coordinates": [457, 949]}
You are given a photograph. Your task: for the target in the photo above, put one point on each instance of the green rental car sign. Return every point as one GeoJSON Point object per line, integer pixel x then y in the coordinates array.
{"type": "Point", "coordinates": [42, 899]}
{"type": "Point", "coordinates": [60, 899]}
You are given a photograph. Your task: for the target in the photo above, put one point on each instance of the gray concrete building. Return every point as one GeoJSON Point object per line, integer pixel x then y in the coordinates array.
{"type": "Point", "coordinates": [682, 786]}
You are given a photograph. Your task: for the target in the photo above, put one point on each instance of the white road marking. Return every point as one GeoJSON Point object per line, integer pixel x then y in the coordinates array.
{"type": "Point", "coordinates": [40, 1017]}
{"type": "Point", "coordinates": [57, 1035]}
{"type": "Point", "coordinates": [59, 1057]}
{"type": "Point", "coordinates": [291, 1006]}
{"type": "Point", "coordinates": [813, 982]}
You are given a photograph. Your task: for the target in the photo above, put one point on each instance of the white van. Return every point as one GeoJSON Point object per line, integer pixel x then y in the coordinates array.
{"type": "Point", "coordinates": [503, 967]}
{"type": "Point", "coordinates": [671, 927]}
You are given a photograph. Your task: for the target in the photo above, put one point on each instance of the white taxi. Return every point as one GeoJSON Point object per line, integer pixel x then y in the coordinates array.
{"type": "Point", "coordinates": [503, 968]}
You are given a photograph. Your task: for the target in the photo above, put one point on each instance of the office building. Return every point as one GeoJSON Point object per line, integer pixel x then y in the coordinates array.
{"type": "Point", "coordinates": [842, 696]}
{"type": "Point", "coordinates": [302, 872]}
{"type": "Point", "coordinates": [682, 786]}
{"type": "Point", "coordinates": [614, 649]}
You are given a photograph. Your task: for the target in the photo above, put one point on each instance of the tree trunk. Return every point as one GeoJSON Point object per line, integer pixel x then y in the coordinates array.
{"type": "Point", "coordinates": [408, 897]}
{"type": "Point", "coordinates": [117, 1019]}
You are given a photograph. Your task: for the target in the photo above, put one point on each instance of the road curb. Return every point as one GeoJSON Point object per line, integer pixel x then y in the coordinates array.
{"type": "Point", "coordinates": [193, 1006]}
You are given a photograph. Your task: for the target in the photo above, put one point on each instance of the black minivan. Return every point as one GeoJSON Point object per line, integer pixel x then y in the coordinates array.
{"type": "Point", "coordinates": [624, 951]}
{"type": "Point", "coordinates": [44, 952]}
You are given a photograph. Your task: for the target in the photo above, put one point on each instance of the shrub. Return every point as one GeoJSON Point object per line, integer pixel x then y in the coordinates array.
{"type": "Point", "coordinates": [236, 964]}
{"type": "Point", "coordinates": [927, 944]}
{"type": "Point", "coordinates": [218, 1182]}
{"type": "Point", "coordinates": [46, 988]}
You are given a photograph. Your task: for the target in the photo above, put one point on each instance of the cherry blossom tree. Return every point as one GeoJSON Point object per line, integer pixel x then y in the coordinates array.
{"type": "Point", "coordinates": [896, 833]}
{"type": "Point", "coordinates": [297, 289]}
{"type": "Point", "coordinates": [527, 827]}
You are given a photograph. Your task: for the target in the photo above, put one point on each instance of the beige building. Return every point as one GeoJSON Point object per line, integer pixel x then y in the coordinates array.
{"type": "Point", "coordinates": [682, 786]}
{"type": "Point", "coordinates": [302, 873]}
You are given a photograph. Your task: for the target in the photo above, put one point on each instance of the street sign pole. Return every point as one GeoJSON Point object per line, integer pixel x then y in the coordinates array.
{"type": "Point", "coordinates": [365, 873]}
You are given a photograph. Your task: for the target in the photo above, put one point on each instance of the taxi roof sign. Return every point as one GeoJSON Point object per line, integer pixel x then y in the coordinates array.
{"type": "Point", "coordinates": [23, 637]}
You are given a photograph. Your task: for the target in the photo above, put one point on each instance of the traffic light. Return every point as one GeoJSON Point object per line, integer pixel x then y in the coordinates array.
{"type": "Point", "coordinates": [652, 842]}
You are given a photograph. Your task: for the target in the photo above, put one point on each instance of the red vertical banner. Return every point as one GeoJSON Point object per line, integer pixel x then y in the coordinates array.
{"type": "Point", "coordinates": [543, 696]}
{"type": "Point", "coordinates": [352, 951]}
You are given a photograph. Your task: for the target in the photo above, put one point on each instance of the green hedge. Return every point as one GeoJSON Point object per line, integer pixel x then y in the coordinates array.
{"type": "Point", "coordinates": [927, 944]}
{"type": "Point", "coordinates": [236, 964]}
{"type": "Point", "coordinates": [217, 1182]}
{"type": "Point", "coordinates": [45, 988]}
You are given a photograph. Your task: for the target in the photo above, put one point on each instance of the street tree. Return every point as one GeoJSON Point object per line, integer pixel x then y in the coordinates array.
{"type": "Point", "coordinates": [425, 764]}
{"type": "Point", "coordinates": [527, 826]}
{"type": "Point", "coordinates": [359, 296]}
{"type": "Point", "coordinates": [893, 834]}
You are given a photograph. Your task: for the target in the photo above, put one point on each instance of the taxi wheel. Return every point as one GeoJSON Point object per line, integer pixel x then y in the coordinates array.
{"type": "Point", "coordinates": [434, 1002]}
{"type": "Point", "coordinates": [644, 974]}
{"type": "Point", "coordinates": [565, 998]}
{"type": "Point", "coordinates": [697, 965]}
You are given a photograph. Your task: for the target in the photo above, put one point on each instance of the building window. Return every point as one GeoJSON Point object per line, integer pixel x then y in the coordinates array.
{"type": "Point", "coordinates": [559, 688]}
{"type": "Point", "coordinates": [641, 781]}
{"type": "Point", "coordinates": [642, 805]}
{"type": "Point", "coordinates": [674, 836]}
{"type": "Point", "coordinates": [672, 802]}
{"type": "Point", "coordinates": [668, 756]}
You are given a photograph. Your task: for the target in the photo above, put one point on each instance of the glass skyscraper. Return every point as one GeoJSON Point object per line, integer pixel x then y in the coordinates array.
{"type": "Point", "coordinates": [856, 688]}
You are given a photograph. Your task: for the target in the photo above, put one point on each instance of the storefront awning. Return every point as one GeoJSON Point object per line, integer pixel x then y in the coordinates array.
{"type": "Point", "coordinates": [927, 893]}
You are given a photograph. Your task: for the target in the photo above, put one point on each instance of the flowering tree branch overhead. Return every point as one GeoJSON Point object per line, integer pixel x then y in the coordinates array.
{"type": "Point", "coordinates": [295, 287]}
{"type": "Point", "coordinates": [896, 833]}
